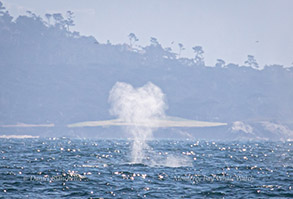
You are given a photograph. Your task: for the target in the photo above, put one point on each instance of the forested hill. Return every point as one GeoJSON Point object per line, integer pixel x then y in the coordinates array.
{"type": "Point", "coordinates": [49, 73]}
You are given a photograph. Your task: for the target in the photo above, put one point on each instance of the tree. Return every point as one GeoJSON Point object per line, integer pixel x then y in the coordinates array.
{"type": "Point", "coordinates": [180, 49]}
{"type": "Point", "coordinates": [251, 62]}
{"type": "Point", "coordinates": [2, 9]}
{"type": "Point", "coordinates": [198, 59]}
{"type": "Point", "coordinates": [48, 16]}
{"type": "Point", "coordinates": [59, 20]}
{"type": "Point", "coordinates": [58, 17]}
{"type": "Point", "coordinates": [168, 53]}
{"type": "Point", "coordinates": [154, 41]}
{"type": "Point", "coordinates": [132, 39]}
{"type": "Point", "coordinates": [35, 18]}
{"type": "Point", "coordinates": [69, 21]}
{"type": "Point", "coordinates": [5, 17]}
{"type": "Point", "coordinates": [31, 14]}
{"type": "Point", "coordinates": [220, 63]}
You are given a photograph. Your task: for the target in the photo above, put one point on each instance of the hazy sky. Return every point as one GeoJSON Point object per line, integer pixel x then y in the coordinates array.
{"type": "Point", "coordinates": [227, 29]}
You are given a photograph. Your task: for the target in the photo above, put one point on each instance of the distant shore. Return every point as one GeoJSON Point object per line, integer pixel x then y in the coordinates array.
{"type": "Point", "coordinates": [170, 122]}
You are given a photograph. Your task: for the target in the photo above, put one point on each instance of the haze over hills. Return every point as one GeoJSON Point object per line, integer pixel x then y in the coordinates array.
{"type": "Point", "coordinates": [49, 74]}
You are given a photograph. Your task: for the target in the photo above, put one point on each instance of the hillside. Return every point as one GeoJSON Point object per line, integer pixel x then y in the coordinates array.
{"type": "Point", "coordinates": [49, 74]}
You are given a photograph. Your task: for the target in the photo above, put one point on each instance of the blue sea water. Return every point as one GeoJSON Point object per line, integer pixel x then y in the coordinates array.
{"type": "Point", "coordinates": [92, 168]}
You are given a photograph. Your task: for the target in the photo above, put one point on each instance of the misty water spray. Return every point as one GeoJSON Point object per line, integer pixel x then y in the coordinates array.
{"type": "Point", "coordinates": [140, 109]}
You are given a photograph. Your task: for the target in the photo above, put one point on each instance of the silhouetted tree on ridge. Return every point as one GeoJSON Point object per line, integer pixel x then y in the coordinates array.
{"type": "Point", "coordinates": [2, 8]}
{"type": "Point", "coordinates": [48, 16]}
{"type": "Point", "coordinates": [251, 62]}
{"type": "Point", "coordinates": [220, 63]}
{"type": "Point", "coordinates": [59, 20]}
{"type": "Point", "coordinates": [154, 41]}
{"type": "Point", "coordinates": [69, 21]}
{"type": "Point", "coordinates": [156, 53]}
{"type": "Point", "coordinates": [198, 59]}
{"type": "Point", "coordinates": [4, 14]}
{"type": "Point", "coordinates": [132, 39]}
{"type": "Point", "coordinates": [181, 48]}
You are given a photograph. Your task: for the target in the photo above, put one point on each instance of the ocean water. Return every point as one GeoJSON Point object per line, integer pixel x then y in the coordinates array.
{"type": "Point", "coordinates": [92, 168]}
